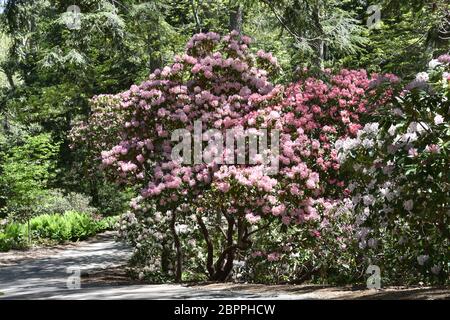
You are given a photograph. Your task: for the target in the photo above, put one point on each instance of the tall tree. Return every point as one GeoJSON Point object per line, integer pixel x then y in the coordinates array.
{"type": "Point", "coordinates": [59, 68]}
{"type": "Point", "coordinates": [321, 29]}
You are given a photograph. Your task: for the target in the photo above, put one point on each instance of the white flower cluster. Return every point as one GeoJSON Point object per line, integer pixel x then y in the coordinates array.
{"type": "Point", "coordinates": [365, 138]}
{"type": "Point", "coordinates": [436, 65]}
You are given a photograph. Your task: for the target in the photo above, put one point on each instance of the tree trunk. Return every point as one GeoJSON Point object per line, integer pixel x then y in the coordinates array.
{"type": "Point", "coordinates": [10, 78]}
{"type": "Point", "coordinates": [223, 271]}
{"type": "Point", "coordinates": [93, 186]}
{"type": "Point", "coordinates": [179, 256]}
{"type": "Point", "coordinates": [236, 14]}
{"type": "Point", "coordinates": [154, 47]}
{"type": "Point", "coordinates": [29, 232]}
{"type": "Point", "coordinates": [319, 44]}
{"type": "Point", "coordinates": [196, 18]}
{"type": "Point", "coordinates": [320, 49]}
{"type": "Point", "coordinates": [165, 258]}
{"type": "Point", "coordinates": [210, 247]}
{"type": "Point", "coordinates": [220, 270]}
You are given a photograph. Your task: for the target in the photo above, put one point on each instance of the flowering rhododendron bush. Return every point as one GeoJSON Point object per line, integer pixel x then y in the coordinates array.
{"type": "Point", "coordinates": [102, 129]}
{"type": "Point", "coordinates": [221, 210]}
{"type": "Point", "coordinates": [217, 81]}
{"type": "Point", "coordinates": [399, 165]}
{"type": "Point", "coordinates": [301, 217]}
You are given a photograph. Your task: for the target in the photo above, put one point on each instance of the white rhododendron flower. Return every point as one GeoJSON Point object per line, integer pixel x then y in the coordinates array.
{"type": "Point", "coordinates": [445, 76]}
{"type": "Point", "coordinates": [434, 63]}
{"type": "Point", "coordinates": [438, 120]}
{"type": "Point", "coordinates": [392, 130]}
{"type": "Point", "coordinates": [423, 259]}
{"type": "Point", "coordinates": [418, 127]}
{"type": "Point", "coordinates": [436, 269]}
{"type": "Point", "coordinates": [422, 77]}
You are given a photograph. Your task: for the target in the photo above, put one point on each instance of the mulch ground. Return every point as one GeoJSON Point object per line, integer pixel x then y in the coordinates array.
{"type": "Point", "coordinates": [118, 276]}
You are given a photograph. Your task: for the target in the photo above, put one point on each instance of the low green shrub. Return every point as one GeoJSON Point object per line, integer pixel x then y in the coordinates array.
{"type": "Point", "coordinates": [107, 223]}
{"type": "Point", "coordinates": [13, 236]}
{"type": "Point", "coordinates": [70, 226]}
{"type": "Point", "coordinates": [56, 201]}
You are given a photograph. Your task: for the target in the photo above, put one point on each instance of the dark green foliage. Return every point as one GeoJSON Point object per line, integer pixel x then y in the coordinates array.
{"type": "Point", "coordinates": [26, 169]}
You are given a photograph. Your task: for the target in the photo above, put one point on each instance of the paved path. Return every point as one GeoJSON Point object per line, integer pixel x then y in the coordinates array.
{"type": "Point", "coordinates": [47, 277]}
{"type": "Point", "coordinates": [43, 275]}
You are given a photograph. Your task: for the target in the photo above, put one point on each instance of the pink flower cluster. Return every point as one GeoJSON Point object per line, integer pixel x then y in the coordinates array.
{"type": "Point", "coordinates": [267, 56]}
{"type": "Point", "coordinates": [445, 58]}
{"type": "Point", "coordinates": [102, 130]}
{"type": "Point", "coordinates": [215, 81]}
